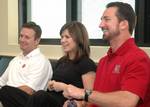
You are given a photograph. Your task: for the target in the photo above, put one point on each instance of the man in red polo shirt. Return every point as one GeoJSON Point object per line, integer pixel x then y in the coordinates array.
{"type": "Point", "coordinates": [123, 75]}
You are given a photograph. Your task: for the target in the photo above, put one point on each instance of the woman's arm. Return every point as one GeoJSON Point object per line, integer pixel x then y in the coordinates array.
{"type": "Point", "coordinates": [88, 80]}
{"type": "Point", "coordinates": [57, 86]}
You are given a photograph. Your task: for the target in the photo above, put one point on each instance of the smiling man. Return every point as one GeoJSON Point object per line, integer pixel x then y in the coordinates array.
{"type": "Point", "coordinates": [123, 75]}
{"type": "Point", "coordinates": [28, 72]}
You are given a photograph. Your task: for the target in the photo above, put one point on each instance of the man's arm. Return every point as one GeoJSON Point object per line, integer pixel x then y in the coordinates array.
{"type": "Point", "coordinates": [112, 99]}
{"type": "Point", "coordinates": [26, 89]}
{"type": "Point", "coordinates": [40, 73]}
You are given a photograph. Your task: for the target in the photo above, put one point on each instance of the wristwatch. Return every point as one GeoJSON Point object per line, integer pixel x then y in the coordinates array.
{"type": "Point", "coordinates": [87, 94]}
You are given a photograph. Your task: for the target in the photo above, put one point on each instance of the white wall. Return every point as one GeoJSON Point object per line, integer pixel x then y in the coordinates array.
{"type": "Point", "coordinates": [9, 35]}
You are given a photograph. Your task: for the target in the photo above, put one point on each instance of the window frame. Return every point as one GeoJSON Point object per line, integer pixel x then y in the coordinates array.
{"type": "Point", "coordinates": [141, 37]}
{"type": "Point", "coordinates": [72, 13]}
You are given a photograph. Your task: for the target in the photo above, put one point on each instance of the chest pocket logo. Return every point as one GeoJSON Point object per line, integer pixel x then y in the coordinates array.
{"type": "Point", "coordinates": [116, 69]}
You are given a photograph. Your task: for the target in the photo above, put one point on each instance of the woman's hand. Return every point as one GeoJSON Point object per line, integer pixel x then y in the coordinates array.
{"type": "Point", "coordinates": [56, 86]}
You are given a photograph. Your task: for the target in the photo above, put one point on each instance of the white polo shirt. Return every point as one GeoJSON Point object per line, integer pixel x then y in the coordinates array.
{"type": "Point", "coordinates": [33, 70]}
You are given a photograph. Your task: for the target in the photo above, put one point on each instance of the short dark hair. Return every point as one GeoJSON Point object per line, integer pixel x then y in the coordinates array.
{"type": "Point", "coordinates": [80, 35]}
{"type": "Point", "coordinates": [125, 12]}
{"type": "Point", "coordinates": [37, 29]}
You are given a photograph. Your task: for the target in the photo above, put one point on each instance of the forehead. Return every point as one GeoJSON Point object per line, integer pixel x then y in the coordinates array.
{"type": "Point", "coordinates": [65, 32]}
{"type": "Point", "coordinates": [27, 31]}
{"type": "Point", "coordinates": [110, 12]}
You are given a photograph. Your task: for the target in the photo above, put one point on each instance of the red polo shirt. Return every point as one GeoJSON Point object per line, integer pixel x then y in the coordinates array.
{"type": "Point", "coordinates": [126, 69]}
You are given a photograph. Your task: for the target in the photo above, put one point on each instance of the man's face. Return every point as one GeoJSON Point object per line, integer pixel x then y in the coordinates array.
{"type": "Point", "coordinates": [27, 40]}
{"type": "Point", "coordinates": [110, 24]}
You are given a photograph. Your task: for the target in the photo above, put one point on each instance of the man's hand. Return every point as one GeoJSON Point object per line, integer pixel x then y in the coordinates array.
{"type": "Point", "coordinates": [26, 89]}
{"type": "Point", "coordinates": [71, 92]}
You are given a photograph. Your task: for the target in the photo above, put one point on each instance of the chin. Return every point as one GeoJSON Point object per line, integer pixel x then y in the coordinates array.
{"type": "Point", "coordinates": [21, 48]}
{"type": "Point", "coordinates": [65, 50]}
{"type": "Point", "coordinates": [105, 37]}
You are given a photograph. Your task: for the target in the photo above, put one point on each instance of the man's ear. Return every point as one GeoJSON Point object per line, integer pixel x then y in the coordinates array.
{"type": "Point", "coordinates": [38, 41]}
{"type": "Point", "coordinates": [124, 25]}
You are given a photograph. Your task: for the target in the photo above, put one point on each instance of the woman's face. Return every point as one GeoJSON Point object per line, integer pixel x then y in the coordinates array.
{"type": "Point", "coordinates": [68, 44]}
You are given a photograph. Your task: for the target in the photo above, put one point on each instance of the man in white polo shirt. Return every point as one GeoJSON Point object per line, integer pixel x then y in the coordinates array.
{"type": "Point", "coordinates": [28, 72]}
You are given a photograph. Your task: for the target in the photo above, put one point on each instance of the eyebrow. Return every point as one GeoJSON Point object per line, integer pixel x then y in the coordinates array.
{"type": "Point", "coordinates": [105, 17]}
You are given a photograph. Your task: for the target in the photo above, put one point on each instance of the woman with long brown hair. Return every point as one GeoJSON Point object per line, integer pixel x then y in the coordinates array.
{"type": "Point", "coordinates": [75, 67]}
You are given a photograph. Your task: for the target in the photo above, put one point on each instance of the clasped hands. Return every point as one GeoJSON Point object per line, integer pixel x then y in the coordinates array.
{"type": "Point", "coordinates": [69, 91]}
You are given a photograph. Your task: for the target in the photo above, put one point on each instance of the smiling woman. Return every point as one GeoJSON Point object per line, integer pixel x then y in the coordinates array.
{"type": "Point", "coordinates": [74, 67]}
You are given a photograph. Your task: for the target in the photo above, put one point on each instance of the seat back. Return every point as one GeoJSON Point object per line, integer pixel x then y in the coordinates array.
{"type": "Point", "coordinates": [4, 61]}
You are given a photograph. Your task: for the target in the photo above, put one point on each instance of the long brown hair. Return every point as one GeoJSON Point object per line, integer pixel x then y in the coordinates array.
{"type": "Point", "coordinates": [80, 35]}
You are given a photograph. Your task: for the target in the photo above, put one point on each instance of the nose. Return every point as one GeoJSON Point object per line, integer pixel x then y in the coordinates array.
{"type": "Point", "coordinates": [21, 38]}
{"type": "Point", "coordinates": [101, 24]}
{"type": "Point", "coordinates": [62, 40]}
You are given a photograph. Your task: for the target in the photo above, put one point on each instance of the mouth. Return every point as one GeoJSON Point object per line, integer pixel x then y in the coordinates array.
{"type": "Point", "coordinates": [64, 46]}
{"type": "Point", "coordinates": [104, 30]}
{"type": "Point", "coordinates": [22, 44]}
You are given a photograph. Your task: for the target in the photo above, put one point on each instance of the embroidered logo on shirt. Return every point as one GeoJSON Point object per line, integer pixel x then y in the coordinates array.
{"type": "Point", "coordinates": [23, 65]}
{"type": "Point", "coordinates": [116, 69]}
